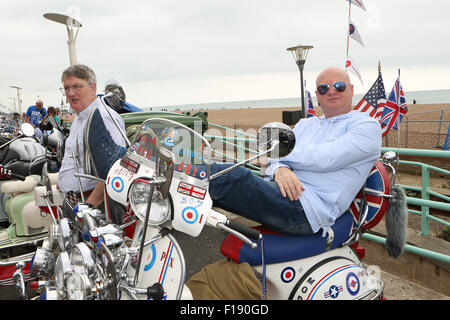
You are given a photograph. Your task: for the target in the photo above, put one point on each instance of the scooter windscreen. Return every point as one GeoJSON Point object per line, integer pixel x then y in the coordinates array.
{"type": "Point", "coordinates": [189, 152]}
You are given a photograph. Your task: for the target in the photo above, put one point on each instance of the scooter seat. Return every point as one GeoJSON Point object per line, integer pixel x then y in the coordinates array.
{"type": "Point", "coordinates": [280, 248]}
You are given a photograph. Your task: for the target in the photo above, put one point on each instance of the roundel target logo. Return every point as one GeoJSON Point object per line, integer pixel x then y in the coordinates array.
{"type": "Point", "coordinates": [189, 215]}
{"type": "Point", "coordinates": [117, 184]}
{"type": "Point", "coordinates": [288, 274]}
{"type": "Point", "coordinates": [352, 283]}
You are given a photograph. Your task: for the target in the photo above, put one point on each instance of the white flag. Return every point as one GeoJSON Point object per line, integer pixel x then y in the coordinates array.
{"type": "Point", "coordinates": [353, 32]}
{"type": "Point", "coordinates": [350, 65]}
{"type": "Point", "coordinates": [358, 3]}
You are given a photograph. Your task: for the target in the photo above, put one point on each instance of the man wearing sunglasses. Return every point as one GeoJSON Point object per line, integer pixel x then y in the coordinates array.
{"type": "Point", "coordinates": [316, 183]}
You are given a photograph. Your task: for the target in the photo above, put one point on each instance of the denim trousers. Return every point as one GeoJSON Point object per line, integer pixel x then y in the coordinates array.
{"type": "Point", "coordinates": [246, 194]}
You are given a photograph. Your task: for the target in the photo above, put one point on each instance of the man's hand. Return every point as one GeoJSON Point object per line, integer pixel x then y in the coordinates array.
{"type": "Point", "coordinates": [288, 183]}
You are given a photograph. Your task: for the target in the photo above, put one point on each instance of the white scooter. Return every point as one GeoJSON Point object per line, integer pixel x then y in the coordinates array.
{"type": "Point", "coordinates": [163, 178]}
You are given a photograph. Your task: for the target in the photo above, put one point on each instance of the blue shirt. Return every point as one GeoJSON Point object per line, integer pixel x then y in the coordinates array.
{"type": "Point", "coordinates": [36, 115]}
{"type": "Point", "coordinates": [332, 159]}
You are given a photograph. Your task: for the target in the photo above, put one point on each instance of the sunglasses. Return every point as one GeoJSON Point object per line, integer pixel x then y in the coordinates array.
{"type": "Point", "coordinates": [339, 86]}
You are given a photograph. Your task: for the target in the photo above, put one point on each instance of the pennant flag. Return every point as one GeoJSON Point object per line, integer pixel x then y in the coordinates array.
{"type": "Point", "coordinates": [350, 65]}
{"type": "Point", "coordinates": [358, 3]}
{"type": "Point", "coordinates": [395, 108]}
{"type": "Point", "coordinates": [311, 111]}
{"type": "Point", "coordinates": [353, 33]}
{"type": "Point", "coordinates": [374, 100]}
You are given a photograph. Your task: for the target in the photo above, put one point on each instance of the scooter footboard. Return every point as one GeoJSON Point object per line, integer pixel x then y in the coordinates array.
{"type": "Point", "coordinates": [336, 274]}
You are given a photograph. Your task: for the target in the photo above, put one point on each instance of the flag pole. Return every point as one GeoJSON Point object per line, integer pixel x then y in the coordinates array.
{"type": "Point", "coordinates": [398, 112]}
{"type": "Point", "coordinates": [348, 33]}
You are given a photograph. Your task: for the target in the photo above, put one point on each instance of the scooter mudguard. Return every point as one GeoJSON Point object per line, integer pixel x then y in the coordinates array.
{"type": "Point", "coordinates": [161, 263]}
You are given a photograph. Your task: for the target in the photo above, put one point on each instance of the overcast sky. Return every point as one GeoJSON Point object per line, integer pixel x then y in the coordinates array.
{"type": "Point", "coordinates": [167, 52]}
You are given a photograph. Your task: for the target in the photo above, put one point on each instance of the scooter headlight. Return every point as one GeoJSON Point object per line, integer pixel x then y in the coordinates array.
{"type": "Point", "coordinates": [43, 262]}
{"type": "Point", "coordinates": [81, 256]}
{"type": "Point", "coordinates": [64, 234]}
{"type": "Point", "coordinates": [53, 231]}
{"type": "Point", "coordinates": [62, 268]}
{"type": "Point", "coordinates": [139, 197]}
{"type": "Point", "coordinates": [78, 286]}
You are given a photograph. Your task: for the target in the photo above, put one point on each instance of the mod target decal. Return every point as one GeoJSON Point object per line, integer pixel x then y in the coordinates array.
{"type": "Point", "coordinates": [288, 274]}
{"type": "Point", "coordinates": [117, 184]}
{"type": "Point", "coordinates": [352, 283]}
{"type": "Point", "coordinates": [202, 174]}
{"type": "Point", "coordinates": [190, 215]}
{"type": "Point", "coordinates": [151, 259]}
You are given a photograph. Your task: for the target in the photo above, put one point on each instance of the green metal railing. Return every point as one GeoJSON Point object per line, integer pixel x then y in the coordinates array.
{"type": "Point", "coordinates": [238, 139]}
{"type": "Point", "coordinates": [424, 202]}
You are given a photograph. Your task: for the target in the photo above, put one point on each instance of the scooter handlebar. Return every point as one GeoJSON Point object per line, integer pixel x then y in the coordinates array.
{"type": "Point", "coordinates": [246, 231]}
{"type": "Point", "coordinates": [9, 174]}
{"type": "Point", "coordinates": [17, 176]}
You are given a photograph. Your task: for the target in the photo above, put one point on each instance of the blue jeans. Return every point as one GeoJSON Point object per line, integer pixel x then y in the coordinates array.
{"type": "Point", "coordinates": [244, 193]}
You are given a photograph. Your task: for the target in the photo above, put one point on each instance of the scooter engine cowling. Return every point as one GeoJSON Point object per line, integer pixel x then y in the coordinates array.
{"type": "Point", "coordinates": [337, 278]}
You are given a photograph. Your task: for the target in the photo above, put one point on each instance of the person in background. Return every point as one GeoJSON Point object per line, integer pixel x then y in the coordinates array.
{"type": "Point", "coordinates": [34, 116]}
{"type": "Point", "coordinates": [45, 125]}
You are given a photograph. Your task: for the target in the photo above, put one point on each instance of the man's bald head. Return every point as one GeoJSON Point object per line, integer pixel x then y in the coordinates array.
{"type": "Point", "coordinates": [333, 102]}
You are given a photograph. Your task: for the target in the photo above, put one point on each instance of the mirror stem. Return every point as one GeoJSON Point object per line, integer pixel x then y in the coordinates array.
{"type": "Point", "coordinates": [275, 143]}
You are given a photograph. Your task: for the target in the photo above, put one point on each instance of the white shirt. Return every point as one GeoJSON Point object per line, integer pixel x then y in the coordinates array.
{"type": "Point", "coordinates": [332, 159]}
{"type": "Point", "coordinates": [67, 180]}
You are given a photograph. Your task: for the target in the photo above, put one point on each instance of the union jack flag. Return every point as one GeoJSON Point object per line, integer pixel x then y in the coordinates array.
{"type": "Point", "coordinates": [311, 111]}
{"type": "Point", "coordinates": [395, 108]}
{"type": "Point", "coordinates": [374, 100]}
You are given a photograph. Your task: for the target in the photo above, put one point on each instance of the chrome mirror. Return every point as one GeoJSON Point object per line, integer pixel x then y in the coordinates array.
{"type": "Point", "coordinates": [276, 138]}
{"type": "Point", "coordinates": [27, 129]}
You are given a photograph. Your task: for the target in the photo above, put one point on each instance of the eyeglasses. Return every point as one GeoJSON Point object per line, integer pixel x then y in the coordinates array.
{"type": "Point", "coordinates": [339, 86]}
{"type": "Point", "coordinates": [75, 87]}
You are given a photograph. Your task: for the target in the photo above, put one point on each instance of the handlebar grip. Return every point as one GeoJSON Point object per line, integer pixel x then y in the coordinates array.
{"type": "Point", "coordinates": [246, 231]}
{"type": "Point", "coordinates": [17, 176]}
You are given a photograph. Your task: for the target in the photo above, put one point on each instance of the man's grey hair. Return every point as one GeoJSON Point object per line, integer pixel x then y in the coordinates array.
{"type": "Point", "coordinates": [80, 71]}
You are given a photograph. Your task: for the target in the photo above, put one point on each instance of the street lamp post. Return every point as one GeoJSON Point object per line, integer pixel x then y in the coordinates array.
{"type": "Point", "coordinates": [14, 104]}
{"type": "Point", "coordinates": [300, 53]}
{"type": "Point", "coordinates": [19, 98]}
{"type": "Point", "coordinates": [72, 25]}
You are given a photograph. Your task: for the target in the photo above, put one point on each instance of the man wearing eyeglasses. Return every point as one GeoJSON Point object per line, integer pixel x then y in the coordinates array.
{"type": "Point", "coordinates": [315, 184]}
{"type": "Point", "coordinates": [79, 82]}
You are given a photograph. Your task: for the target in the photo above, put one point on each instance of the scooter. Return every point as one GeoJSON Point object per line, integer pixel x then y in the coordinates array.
{"type": "Point", "coordinates": [28, 221]}
{"type": "Point", "coordinates": [163, 178]}
{"type": "Point", "coordinates": [26, 156]}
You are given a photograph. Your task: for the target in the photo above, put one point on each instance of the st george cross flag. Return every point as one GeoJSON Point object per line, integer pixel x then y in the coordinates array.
{"type": "Point", "coordinates": [311, 111]}
{"type": "Point", "coordinates": [350, 65]}
{"type": "Point", "coordinates": [395, 108]}
{"type": "Point", "coordinates": [353, 32]}
{"type": "Point", "coordinates": [374, 100]}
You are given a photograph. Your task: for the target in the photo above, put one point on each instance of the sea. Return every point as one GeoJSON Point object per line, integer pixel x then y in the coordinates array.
{"type": "Point", "coordinates": [420, 97]}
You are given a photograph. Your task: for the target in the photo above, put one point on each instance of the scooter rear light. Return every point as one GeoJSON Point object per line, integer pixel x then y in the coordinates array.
{"type": "Point", "coordinates": [360, 251]}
